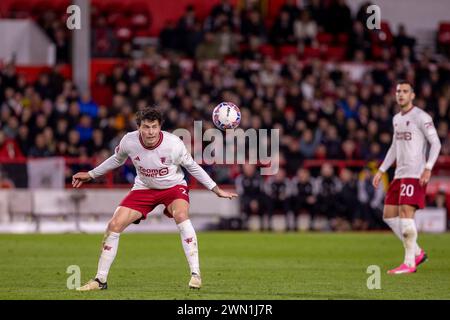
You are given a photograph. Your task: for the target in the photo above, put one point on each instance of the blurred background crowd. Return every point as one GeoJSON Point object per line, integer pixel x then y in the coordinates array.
{"type": "Point", "coordinates": [315, 72]}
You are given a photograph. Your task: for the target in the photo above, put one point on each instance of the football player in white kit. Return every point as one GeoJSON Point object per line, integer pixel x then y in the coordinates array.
{"type": "Point", "coordinates": [413, 131]}
{"type": "Point", "coordinates": [157, 156]}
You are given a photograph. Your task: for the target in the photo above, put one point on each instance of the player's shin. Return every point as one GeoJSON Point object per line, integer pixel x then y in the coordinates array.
{"type": "Point", "coordinates": [109, 251]}
{"type": "Point", "coordinates": [190, 247]}
{"type": "Point", "coordinates": [395, 225]}
{"type": "Point", "coordinates": [409, 233]}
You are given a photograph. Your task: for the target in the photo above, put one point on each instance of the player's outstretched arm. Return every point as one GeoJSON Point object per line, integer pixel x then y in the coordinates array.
{"type": "Point", "coordinates": [79, 178]}
{"type": "Point", "coordinates": [223, 194]}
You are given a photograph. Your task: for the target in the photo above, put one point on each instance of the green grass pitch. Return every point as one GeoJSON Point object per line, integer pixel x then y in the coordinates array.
{"type": "Point", "coordinates": [236, 265]}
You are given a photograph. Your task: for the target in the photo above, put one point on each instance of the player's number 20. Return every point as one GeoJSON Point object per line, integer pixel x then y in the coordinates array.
{"type": "Point", "coordinates": [406, 190]}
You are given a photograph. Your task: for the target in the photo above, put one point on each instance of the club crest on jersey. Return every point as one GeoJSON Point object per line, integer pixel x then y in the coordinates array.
{"type": "Point", "coordinates": [137, 158]}
{"type": "Point", "coordinates": [407, 123]}
{"type": "Point", "coordinates": [188, 240]}
{"type": "Point", "coordinates": [165, 160]}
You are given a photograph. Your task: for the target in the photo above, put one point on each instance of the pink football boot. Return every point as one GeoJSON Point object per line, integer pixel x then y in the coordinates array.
{"type": "Point", "coordinates": [421, 258]}
{"type": "Point", "coordinates": [402, 269]}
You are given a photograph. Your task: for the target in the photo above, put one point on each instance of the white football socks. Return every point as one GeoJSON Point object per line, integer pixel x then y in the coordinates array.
{"type": "Point", "coordinates": [409, 233]}
{"type": "Point", "coordinates": [109, 251]}
{"type": "Point", "coordinates": [394, 224]}
{"type": "Point", "coordinates": [189, 242]}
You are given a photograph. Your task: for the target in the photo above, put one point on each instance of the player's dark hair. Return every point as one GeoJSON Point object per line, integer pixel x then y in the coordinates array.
{"type": "Point", "coordinates": [402, 81]}
{"type": "Point", "coordinates": [150, 114]}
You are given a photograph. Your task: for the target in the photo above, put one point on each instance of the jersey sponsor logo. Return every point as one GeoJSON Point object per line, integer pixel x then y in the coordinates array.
{"type": "Point", "coordinates": [403, 135]}
{"type": "Point", "coordinates": [137, 158]}
{"type": "Point", "coordinates": [153, 172]}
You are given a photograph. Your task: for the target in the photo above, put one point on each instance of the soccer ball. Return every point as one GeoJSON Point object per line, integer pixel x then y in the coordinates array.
{"type": "Point", "coordinates": [226, 115]}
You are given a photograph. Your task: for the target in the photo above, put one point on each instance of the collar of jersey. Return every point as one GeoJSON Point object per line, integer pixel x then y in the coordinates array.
{"type": "Point", "coordinates": [407, 111]}
{"type": "Point", "coordinates": [156, 145]}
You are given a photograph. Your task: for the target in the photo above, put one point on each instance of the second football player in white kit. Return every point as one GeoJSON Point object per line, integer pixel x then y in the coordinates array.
{"type": "Point", "coordinates": [413, 132]}
{"type": "Point", "coordinates": [157, 156]}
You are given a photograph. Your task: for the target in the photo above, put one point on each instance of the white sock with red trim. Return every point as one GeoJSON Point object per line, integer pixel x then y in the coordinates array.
{"type": "Point", "coordinates": [109, 251]}
{"type": "Point", "coordinates": [409, 233]}
{"type": "Point", "coordinates": [394, 224]}
{"type": "Point", "coordinates": [189, 242]}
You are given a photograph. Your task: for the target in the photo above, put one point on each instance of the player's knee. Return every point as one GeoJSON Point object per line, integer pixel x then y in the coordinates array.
{"type": "Point", "coordinates": [180, 215]}
{"type": "Point", "coordinates": [114, 226]}
{"type": "Point", "coordinates": [408, 229]}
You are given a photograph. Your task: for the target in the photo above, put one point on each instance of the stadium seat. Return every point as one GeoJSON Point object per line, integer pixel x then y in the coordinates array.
{"type": "Point", "coordinates": [288, 50]}
{"type": "Point", "coordinates": [124, 33]}
{"type": "Point", "coordinates": [384, 35]}
{"type": "Point", "coordinates": [311, 52]}
{"type": "Point", "coordinates": [343, 38]}
{"type": "Point", "coordinates": [324, 38]}
{"type": "Point", "coordinates": [444, 33]}
{"type": "Point", "coordinates": [335, 53]}
{"type": "Point", "coordinates": [267, 50]}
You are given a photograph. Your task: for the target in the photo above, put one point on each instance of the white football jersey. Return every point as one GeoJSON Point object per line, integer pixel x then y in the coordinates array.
{"type": "Point", "coordinates": [157, 167]}
{"type": "Point", "coordinates": [413, 131]}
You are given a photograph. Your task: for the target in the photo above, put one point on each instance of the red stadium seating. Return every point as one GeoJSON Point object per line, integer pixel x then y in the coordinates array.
{"type": "Point", "coordinates": [444, 33]}
{"type": "Point", "coordinates": [267, 50]}
{"type": "Point", "coordinates": [335, 53]}
{"type": "Point", "coordinates": [324, 38]}
{"type": "Point", "coordinates": [311, 52]}
{"type": "Point", "coordinates": [288, 50]}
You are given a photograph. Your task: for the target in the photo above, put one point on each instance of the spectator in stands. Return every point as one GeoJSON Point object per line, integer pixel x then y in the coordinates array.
{"type": "Point", "coordinates": [40, 148]}
{"type": "Point", "coordinates": [209, 48]}
{"type": "Point", "coordinates": [317, 12]}
{"type": "Point", "coordinates": [283, 29]}
{"type": "Point", "coordinates": [250, 185]}
{"type": "Point", "coordinates": [369, 213]}
{"type": "Point", "coordinates": [62, 46]}
{"type": "Point", "coordinates": [168, 37]}
{"type": "Point", "coordinates": [346, 201]}
{"type": "Point", "coordinates": [277, 190]}
{"type": "Point", "coordinates": [305, 29]}
{"type": "Point", "coordinates": [303, 199]}
{"type": "Point", "coordinates": [253, 25]}
{"type": "Point", "coordinates": [403, 40]}
{"type": "Point", "coordinates": [327, 189]}
{"type": "Point", "coordinates": [309, 143]}
{"type": "Point", "coordinates": [103, 40]}
{"type": "Point", "coordinates": [223, 9]}
{"type": "Point", "coordinates": [359, 42]}
{"type": "Point", "coordinates": [187, 26]}
{"type": "Point", "coordinates": [339, 18]}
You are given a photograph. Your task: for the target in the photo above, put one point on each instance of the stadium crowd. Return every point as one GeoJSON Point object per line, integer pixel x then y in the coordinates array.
{"type": "Point", "coordinates": [324, 109]}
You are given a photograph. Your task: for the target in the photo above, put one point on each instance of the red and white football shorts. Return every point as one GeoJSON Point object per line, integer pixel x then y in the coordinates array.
{"type": "Point", "coordinates": [145, 201]}
{"type": "Point", "coordinates": [406, 191]}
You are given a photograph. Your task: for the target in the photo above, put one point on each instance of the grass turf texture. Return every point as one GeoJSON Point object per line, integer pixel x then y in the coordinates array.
{"type": "Point", "coordinates": [234, 266]}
